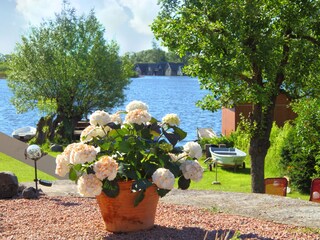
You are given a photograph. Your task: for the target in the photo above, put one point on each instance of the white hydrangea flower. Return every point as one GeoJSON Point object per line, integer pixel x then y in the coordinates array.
{"type": "Point", "coordinates": [95, 132]}
{"type": "Point", "coordinates": [116, 118]}
{"type": "Point", "coordinates": [133, 105]}
{"type": "Point", "coordinates": [62, 165]}
{"type": "Point", "coordinates": [138, 116]}
{"type": "Point", "coordinates": [106, 167]}
{"type": "Point", "coordinates": [100, 118]}
{"type": "Point", "coordinates": [86, 135]}
{"type": "Point", "coordinates": [192, 170]}
{"type": "Point", "coordinates": [163, 178]}
{"type": "Point", "coordinates": [171, 119]}
{"type": "Point", "coordinates": [82, 153]}
{"type": "Point", "coordinates": [68, 149]}
{"type": "Point", "coordinates": [89, 185]}
{"type": "Point", "coordinates": [178, 157]}
{"type": "Point", "coordinates": [193, 149]}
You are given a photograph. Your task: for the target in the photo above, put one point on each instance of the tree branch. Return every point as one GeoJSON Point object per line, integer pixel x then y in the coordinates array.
{"type": "Point", "coordinates": [308, 38]}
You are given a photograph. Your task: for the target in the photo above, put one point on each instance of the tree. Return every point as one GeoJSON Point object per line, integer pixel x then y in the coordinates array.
{"type": "Point", "coordinates": [3, 64]}
{"type": "Point", "coordinates": [66, 67]}
{"type": "Point", "coordinates": [247, 52]}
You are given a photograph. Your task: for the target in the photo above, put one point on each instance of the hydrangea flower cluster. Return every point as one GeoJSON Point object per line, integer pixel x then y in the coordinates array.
{"type": "Point", "coordinates": [171, 119]}
{"type": "Point", "coordinates": [139, 149]}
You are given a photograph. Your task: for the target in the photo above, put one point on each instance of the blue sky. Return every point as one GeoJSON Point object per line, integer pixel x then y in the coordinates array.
{"type": "Point", "coordinates": [126, 21]}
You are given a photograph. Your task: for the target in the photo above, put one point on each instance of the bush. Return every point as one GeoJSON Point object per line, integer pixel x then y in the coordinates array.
{"type": "Point", "coordinates": [301, 151]}
{"type": "Point", "coordinates": [278, 138]}
{"type": "Point", "coordinates": [228, 141]}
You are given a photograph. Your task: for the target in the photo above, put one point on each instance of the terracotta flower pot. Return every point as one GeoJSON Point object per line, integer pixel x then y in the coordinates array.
{"type": "Point", "coordinates": [120, 214]}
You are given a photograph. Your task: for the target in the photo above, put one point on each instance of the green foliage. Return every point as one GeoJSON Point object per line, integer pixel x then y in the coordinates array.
{"type": "Point", "coordinates": [155, 56]}
{"type": "Point", "coordinates": [65, 66]}
{"type": "Point", "coordinates": [227, 140]}
{"type": "Point", "coordinates": [278, 138]}
{"type": "Point", "coordinates": [184, 183]}
{"type": "Point", "coordinates": [301, 152]}
{"type": "Point", "coordinates": [3, 64]}
{"type": "Point", "coordinates": [111, 188]}
{"type": "Point", "coordinates": [246, 52]}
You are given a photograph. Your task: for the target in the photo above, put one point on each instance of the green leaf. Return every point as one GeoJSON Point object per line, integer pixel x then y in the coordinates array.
{"type": "Point", "coordinates": [125, 171]}
{"type": "Point", "coordinates": [124, 146]}
{"type": "Point", "coordinates": [174, 168]}
{"type": "Point", "coordinates": [113, 125]}
{"type": "Point", "coordinates": [155, 127]}
{"type": "Point", "coordinates": [73, 174]}
{"type": "Point", "coordinates": [77, 167]}
{"type": "Point", "coordinates": [182, 134]}
{"type": "Point", "coordinates": [105, 146]}
{"type": "Point", "coordinates": [145, 133]}
{"type": "Point", "coordinates": [139, 198]}
{"type": "Point", "coordinates": [149, 168]}
{"type": "Point", "coordinates": [172, 138]}
{"type": "Point", "coordinates": [184, 183]}
{"type": "Point", "coordinates": [162, 192]}
{"type": "Point", "coordinates": [141, 184]}
{"type": "Point", "coordinates": [111, 188]}
{"type": "Point", "coordinates": [153, 121]}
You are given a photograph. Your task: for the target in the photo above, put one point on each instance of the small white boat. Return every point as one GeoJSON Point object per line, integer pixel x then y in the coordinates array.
{"type": "Point", "coordinates": [25, 133]}
{"type": "Point", "coordinates": [205, 133]}
{"type": "Point", "coordinates": [228, 156]}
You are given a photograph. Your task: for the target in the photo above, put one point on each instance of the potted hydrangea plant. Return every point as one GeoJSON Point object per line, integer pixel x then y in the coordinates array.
{"type": "Point", "coordinates": [139, 151]}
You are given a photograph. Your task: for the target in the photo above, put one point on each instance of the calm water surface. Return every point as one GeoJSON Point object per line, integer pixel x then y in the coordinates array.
{"type": "Point", "coordinates": [162, 94]}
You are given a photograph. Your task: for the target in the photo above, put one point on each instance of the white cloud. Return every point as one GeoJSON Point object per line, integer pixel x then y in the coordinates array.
{"type": "Point", "coordinates": [126, 21]}
{"type": "Point", "coordinates": [112, 16]}
{"type": "Point", "coordinates": [34, 11]}
{"type": "Point", "coordinates": [144, 11]}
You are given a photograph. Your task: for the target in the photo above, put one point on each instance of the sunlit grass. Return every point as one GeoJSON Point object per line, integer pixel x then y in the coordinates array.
{"type": "Point", "coordinates": [24, 172]}
{"type": "Point", "coordinates": [232, 180]}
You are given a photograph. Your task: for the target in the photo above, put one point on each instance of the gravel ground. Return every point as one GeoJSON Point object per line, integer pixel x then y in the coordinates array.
{"type": "Point", "coordinates": [60, 214]}
{"type": "Point", "coordinates": [51, 217]}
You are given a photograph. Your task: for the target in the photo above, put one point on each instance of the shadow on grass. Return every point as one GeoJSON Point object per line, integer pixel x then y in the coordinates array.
{"type": "Point", "coordinates": [161, 232]}
{"type": "Point", "coordinates": [232, 170]}
{"type": "Point", "coordinates": [236, 170]}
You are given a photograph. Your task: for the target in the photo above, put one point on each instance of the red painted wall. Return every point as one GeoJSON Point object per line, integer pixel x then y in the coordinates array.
{"type": "Point", "coordinates": [231, 116]}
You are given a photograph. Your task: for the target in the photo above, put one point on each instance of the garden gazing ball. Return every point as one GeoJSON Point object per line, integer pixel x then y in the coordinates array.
{"type": "Point", "coordinates": [34, 152]}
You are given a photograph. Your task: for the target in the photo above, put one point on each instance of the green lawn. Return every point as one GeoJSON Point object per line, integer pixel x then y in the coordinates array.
{"type": "Point", "coordinates": [24, 172]}
{"type": "Point", "coordinates": [230, 180]}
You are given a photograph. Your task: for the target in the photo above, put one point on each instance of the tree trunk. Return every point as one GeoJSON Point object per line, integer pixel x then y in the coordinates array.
{"type": "Point", "coordinates": [40, 135]}
{"type": "Point", "coordinates": [44, 128]}
{"type": "Point", "coordinates": [260, 143]}
{"type": "Point", "coordinates": [258, 151]}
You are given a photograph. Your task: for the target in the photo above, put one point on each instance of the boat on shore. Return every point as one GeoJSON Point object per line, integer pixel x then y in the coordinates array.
{"type": "Point", "coordinates": [228, 156]}
{"type": "Point", "coordinates": [24, 134]}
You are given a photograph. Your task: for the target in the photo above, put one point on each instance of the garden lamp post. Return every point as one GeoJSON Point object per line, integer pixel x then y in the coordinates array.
{"type": "Point", "coordinates": [34, 153]}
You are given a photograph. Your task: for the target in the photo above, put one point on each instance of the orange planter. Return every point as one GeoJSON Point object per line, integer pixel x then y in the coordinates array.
{"type": "Point", "coordinates": [119, 213]}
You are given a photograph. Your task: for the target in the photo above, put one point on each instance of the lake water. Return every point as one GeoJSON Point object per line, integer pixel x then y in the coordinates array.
{"type": "Point", "coordinates": [162, 94]}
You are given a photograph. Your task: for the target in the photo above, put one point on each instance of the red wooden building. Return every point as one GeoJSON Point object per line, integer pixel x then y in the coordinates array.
{"type": "Point", "coordinates": [231, 116]}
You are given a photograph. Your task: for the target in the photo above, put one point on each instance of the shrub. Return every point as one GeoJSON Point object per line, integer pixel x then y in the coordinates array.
{"type": "Point", "coordinates": [301, 151]}
{"type": "Point", "coordinates": [278, 138]}
{"type": "Point", "coordinates": [228, 141]}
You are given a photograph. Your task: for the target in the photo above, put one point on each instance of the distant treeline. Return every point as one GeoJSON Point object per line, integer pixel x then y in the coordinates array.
{"type": "Point", "coordinates": [154, 55]}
